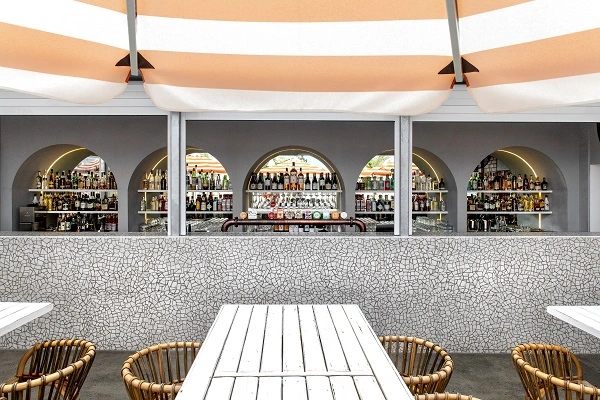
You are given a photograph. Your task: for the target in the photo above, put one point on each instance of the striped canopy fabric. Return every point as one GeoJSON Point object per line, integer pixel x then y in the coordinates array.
{"type": "Point", "coordinates": [377, 56]}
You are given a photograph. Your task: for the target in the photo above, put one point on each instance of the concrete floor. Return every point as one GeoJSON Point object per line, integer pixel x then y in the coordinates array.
{"type": "Point", "coordinates": [487, 376]}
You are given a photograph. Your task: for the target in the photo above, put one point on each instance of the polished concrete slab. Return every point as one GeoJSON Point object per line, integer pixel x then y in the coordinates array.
{"type": "Point", "coordinates": [487, 376]}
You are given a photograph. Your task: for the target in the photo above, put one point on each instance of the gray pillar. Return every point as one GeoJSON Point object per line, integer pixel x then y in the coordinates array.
{"type": "Point", "coordinates": [176, 168]}
{"type": "Point", "coordinates": [402, 175]}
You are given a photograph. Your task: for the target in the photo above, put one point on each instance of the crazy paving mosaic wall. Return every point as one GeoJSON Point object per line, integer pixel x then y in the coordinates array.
{"type": "Point", "coordinates": [469, 294]}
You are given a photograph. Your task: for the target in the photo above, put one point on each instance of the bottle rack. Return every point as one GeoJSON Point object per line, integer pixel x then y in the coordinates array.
{"type": "Point", "coordinates": [192, 192]}
{"type": "Point", "coordinates": [508, 192]}
{"type": "Point", "coordinates": [259, 201]}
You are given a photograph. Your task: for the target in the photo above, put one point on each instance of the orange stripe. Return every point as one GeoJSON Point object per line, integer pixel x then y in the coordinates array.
{"type": "Point", "coordinates": [115, 5]}
{"type": "Point", "coordinates": [297, 74]}
{"type": "Point", "coordinates": [472, 7]}
{"type": "Point", "coordinates": [49, 53]}
{"type": "Point", "coordinates": [295, 10]}
{"type": "Point", "coordinates": [559, 57]}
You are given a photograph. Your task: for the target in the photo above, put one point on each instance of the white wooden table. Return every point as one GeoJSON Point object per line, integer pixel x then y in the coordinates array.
{"type": "Point", "coordinates": [13, 315]}
{"type": "Point", "coordinates": [583, 317]}
{"type": "Point", "coordinates": [292, 352]}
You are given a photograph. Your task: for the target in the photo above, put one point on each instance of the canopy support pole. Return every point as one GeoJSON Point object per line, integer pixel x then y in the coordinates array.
{"type": "Point", "coordinates": [402, 176]}
{"type": "Point", "coordinates": [176, 178]}
{"type": "Point", "coordinates": [131, 28]}
{"type": "Point", "coordinates": [454, 39]}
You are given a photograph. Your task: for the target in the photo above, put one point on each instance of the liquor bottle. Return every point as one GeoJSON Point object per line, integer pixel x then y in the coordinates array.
{"type": "Point", "coordinates": [525, 183]}
{"type": "Point", "coordinates": [218, 183]}
{"type": "Point", "coordinates": [211, 182]}
{"type": "Point", "coordinates": [252, 185]}
{"type": "Point", "coordinates": [321, 182]}
{"type": "Point", "coordinates": [334, 182]}
{"type": "Point", "coordinates": [538, 184]}
{"type": "Point", "coordinates": [286, 180]}
{"type": "Point", "coordinates": [301, 182]}
{"type": "Point", "coordinates": [546, 203]}
{"type": "Point", "coordinates": [226, 183]}
{"type": "Point", "coordinates": [194, 178]}
{"type": "Point", "coordinates": [38, 180]}
{"type": "Point", "coordinates": [163, 182]}
{"type": "Point", "coordinates": [531, 183]}
{"type": "Point", "coordinates": [260, 183]}
{"type": "Point", "coordinates": [544, 184]}
{"type": "Point", "coordinates": [203, 202]}
{"type": "Point", "coordinates": [387, 183]}
{"type": "Point", "coordinates": [281, 181]}
{"type": "Point", "coordinates": [268, 181]}
{"type": "Point", "coordinates": [51, 179]}
{"type": "Point", "coordinates": [442, 185]}
{"type": "Point", "coordinates": [293, 177]}
{"type": "Point", "coordinates": [392, 180]}
{"type": "Point", "coordinates": [275, 182]}
{"type": "Point", "coordinates": [315, 182]}
{"type": "Point", "coordinates": [327, 182]}
{"type": "Point", "coordinates": [62, 182]}
{"type": "Point", "coordinates": [519, 182]}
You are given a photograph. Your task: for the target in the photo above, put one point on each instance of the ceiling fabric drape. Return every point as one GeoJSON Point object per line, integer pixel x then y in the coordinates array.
{"type": "Point", "coordinates": [380, 56]}
{"type": "Point", "coordinates": [63, 49]}
{"type": "Point", "coordinates": [310, 55]}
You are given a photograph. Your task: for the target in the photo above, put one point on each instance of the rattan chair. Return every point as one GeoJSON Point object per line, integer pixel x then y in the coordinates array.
{"type": "Point", "coordinates": [51, 370]}
{"type": "Point", "coordinates": [157, 372]}
{"type": "Point", "coordinates": [551, 372]}
{"type": "Point", "coordinates": [444, 396]}
{"type": "Point", "coordinates": [424, 366]}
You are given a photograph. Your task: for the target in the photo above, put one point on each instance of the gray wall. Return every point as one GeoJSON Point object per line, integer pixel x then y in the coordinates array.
{"type": "Point", "coordinates": [462, 146]}
{"type": "Point", "coordinates": [29, 143]}
{"type": "Point", "coordinates": [131, 145]}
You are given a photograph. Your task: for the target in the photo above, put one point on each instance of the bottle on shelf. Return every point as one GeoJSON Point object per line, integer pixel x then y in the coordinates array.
{"type": "Point", "coordinates": [301, 181]}
{"type": "Point", "coordinates": [293, 177]}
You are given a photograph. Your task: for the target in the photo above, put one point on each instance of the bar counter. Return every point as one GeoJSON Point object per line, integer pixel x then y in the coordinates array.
{"type": "Point", "coordinates": [468, 292]}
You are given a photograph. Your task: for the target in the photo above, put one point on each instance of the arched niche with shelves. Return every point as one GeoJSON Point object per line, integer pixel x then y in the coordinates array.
{"type": "Point", "coordinates": [436, 200]}
{"type": "Point", "coordinates": [293, 183]}
{"type": "Point", "coordinates": [208, 201]}
{"type": "Point", "coordinates": [74, 191]}
{"type": "Point", "coordinates": [498, 200]}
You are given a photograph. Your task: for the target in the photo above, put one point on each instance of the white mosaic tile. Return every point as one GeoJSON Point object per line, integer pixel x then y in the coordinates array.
{"type": "Point", "coordinates": [469, 294]}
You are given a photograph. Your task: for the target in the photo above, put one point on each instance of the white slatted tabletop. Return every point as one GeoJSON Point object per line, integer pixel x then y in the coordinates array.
{"type": "Point", "coordinates": [583, 317]}
{"type": "Point", "coordinates": [288, 352]}
{"type": "Point", "coordinates": [13, 315]}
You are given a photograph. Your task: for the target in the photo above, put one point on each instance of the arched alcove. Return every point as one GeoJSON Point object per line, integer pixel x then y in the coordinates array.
{"type": "Point", "coordinates": [148, 206]}
{"type": "Point", "coordinates": [381, 166]}
{"type": "Point", "coordinates": [306, 181]}
{"type": "Point", "coordinates": [64, 158]}
{"type": "Point", "coordinates": [498, 173]}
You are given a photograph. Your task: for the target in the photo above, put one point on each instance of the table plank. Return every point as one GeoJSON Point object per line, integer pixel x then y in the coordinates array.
{"type": "Point", "coordinates": [311, 343]}
{"type": "Point", "coordinates": [271, 357]}
{"type": "Point", "coordinates": [232, 350]}
{"type": "Point", "coordinates": [318, 388]}
{"type": "Point", "coordinates": [269, 388]}
{"type": "Point", "coordinates": [586, 318]}
{"type": "Point", "coordinates": [14, 314]}
{"type": "Point", "coordinates": [205, 363]}
{"type": "Point", "coordinates": [334, 355]}
{"type": "Point", "coordinates": [384, 370]}
{"type": "Point", "coordinates": [253, 346]}
{"type": "Point", "coordinates": [245, 388]}
{"type": "Point", "coordinates": [356, 359]}
{"type": "Point", "coordinates": [343, 388]}
{"type": "Point", "coordinates": [293, 359]}
{"type": "Point", "coordinates": [368, 388]}
{"type": "Point", "coordinates": [220, 388]}
{"type": "Point", "coordinates": [294, 388]}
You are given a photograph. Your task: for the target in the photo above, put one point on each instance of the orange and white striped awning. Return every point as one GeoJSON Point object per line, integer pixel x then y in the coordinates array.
{"type": "Point", "coordinates": [378, 56]}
